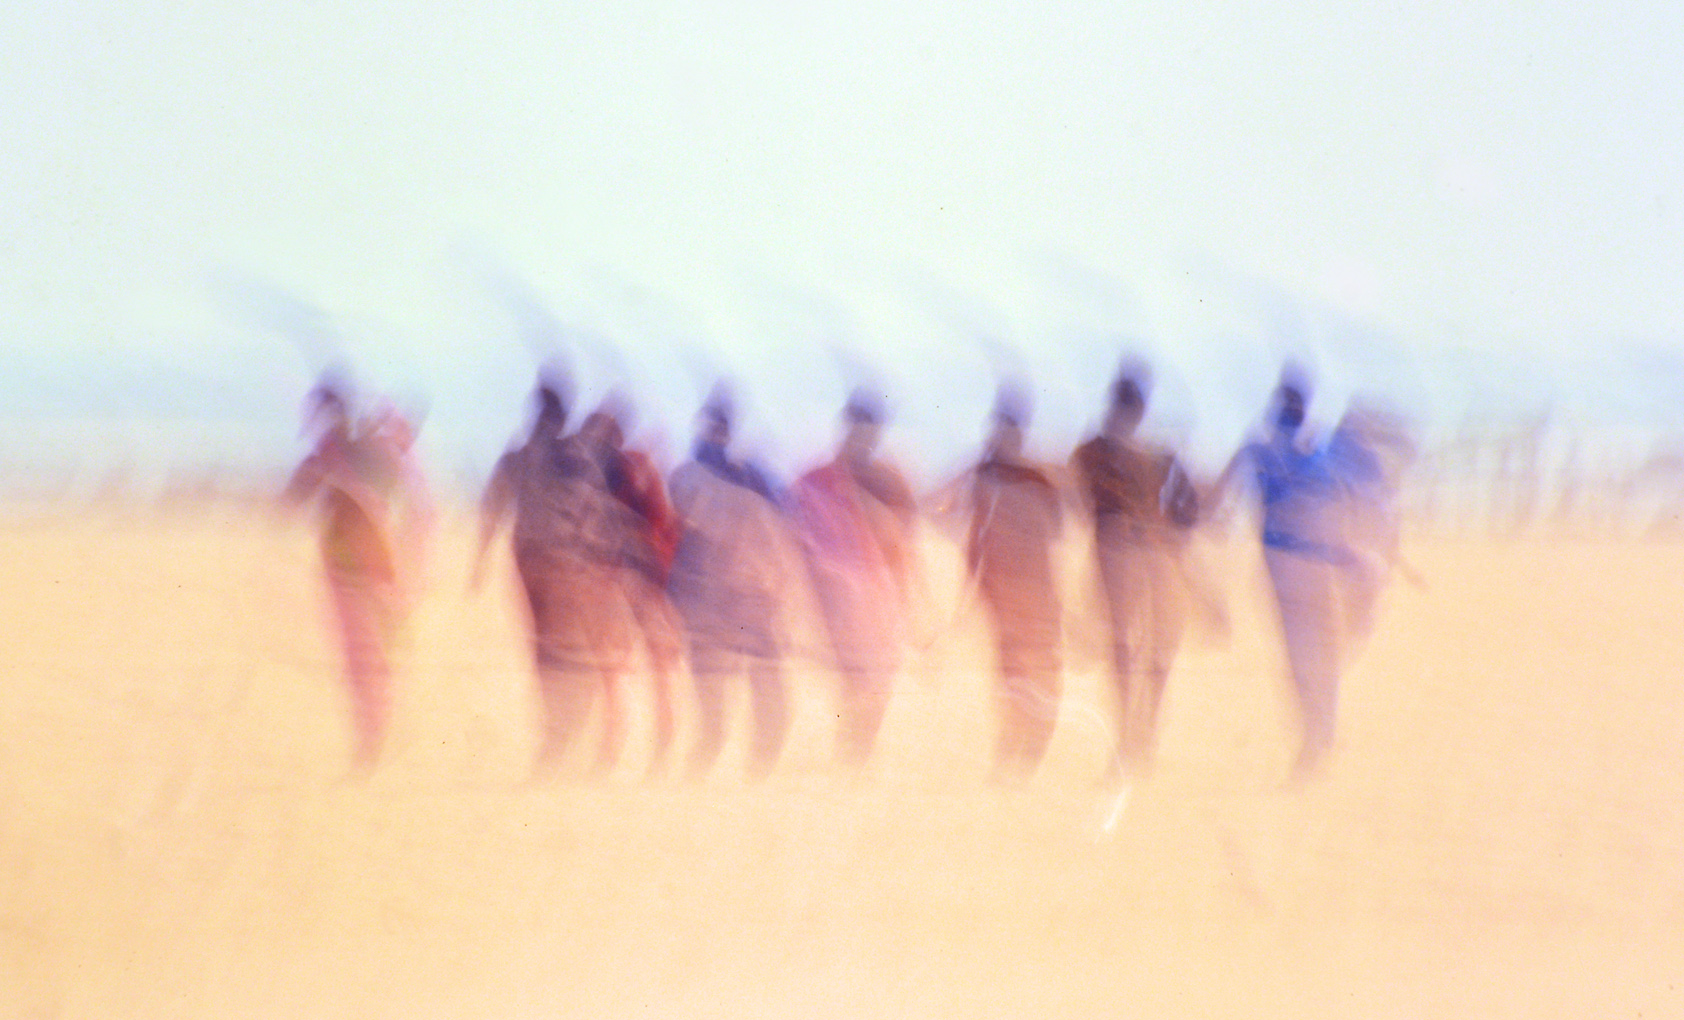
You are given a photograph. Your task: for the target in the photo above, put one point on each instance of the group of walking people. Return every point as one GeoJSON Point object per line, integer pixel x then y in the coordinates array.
{"type": "Point", "coordinates": [623, 567]}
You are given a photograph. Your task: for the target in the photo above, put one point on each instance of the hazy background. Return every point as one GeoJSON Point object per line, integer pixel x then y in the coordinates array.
{"type": "Point", "coordinates": [1471, 206]}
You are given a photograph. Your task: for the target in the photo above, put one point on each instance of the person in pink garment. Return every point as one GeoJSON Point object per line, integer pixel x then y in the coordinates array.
{"type": "Point", "coordinates": [854, 516]}
{"type": "Point", "coordinates": [374, 514]}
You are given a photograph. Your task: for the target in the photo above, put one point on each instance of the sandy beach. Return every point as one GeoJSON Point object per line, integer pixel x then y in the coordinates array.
{"type": "Point", "coordinates": [1499, 833]}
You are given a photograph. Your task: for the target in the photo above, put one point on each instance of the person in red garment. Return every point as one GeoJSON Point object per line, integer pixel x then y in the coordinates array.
{"type": "Point", "coordinates": [854, 516]}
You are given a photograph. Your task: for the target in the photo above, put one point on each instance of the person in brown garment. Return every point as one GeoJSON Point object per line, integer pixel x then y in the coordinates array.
{"type": "Point", "coordinates": [648, 531]}
{"type": "Point", "coordinates": [1141, 502]}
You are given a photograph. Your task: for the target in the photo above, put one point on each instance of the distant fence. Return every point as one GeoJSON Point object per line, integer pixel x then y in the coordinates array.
{"type": "Point", "coordinates": [1533, 476]}
{"type": "Point", "coordinates": [1488, 479]}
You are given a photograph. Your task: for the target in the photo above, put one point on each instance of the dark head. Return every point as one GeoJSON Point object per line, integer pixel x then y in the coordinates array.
{"type": "Point", "coordinates": [551, 412]}
{"type": "Point", "coordinates": [862, 417]}
{"type": "Point", "coordinates": [1289, 409]}
{"type": "Point", "coordinates": [718, 414]}
{"type": "Point", "coordinates": [553, 397]}
{"type": "Point", "coordinates": [551, 404]}
{"type": "Point", "coordinates": [1290, 404]}
{"type": "Point", "coordinates": [600, 430]}
{"type": "Point", "coordinates": [1012, 405]}
{"type": "Point", "coordinates": [1128, 402]}
{"type": "Point", "coordinates": [1291, 400]}
{"type": "Point", "coordinates": [327, 407]}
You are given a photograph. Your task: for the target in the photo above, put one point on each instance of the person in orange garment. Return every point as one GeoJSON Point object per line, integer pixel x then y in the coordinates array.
{"type": "Point", "coordinates": [374, 513]}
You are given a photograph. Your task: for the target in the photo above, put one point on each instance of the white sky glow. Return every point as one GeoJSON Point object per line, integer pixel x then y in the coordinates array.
{"type": "Point", "coordinates": [1401, 192]}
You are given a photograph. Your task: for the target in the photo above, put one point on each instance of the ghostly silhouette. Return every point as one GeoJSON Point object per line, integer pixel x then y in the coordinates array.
{"type": "Point", "coordinates": [855, 517]}
{"type": "Point", "coordinates": [1367, 455]}
{"type": "Point", "coordinates": [727, 581]}
{"type": "Point", "coordinates": [567, 546]}
{"type": "Point", "coordinates": [1015, 519]}
{"type": "Point", "coordinates": [648, 530]}
{"type": "Point", "coordinates": [374, 514]}
{"type": "Point", "coordinates": [1141, 501]}
{"type": "Point", "coordinates": [1304, 553]}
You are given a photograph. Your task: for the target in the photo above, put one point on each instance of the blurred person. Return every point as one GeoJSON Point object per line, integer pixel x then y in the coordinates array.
{"type": "Point", "coordinates": [1304, 554]}
{"type": "Point", "coordinates": [566, 549]}
{"type": "Point", "coordinates": [648, 533]}
{"type": "Point", "coordinates": [855, 516]}
{"type": "Point", "coordinates": [1142, 503]}
{"type": "Point", "coordinates": [1368, 454]}
{"type": "Point", "coordinates": [727, 581]}
{"type": "Point", "coordinates": [1015, 519]}
{"type": "Point", "coordinates": [374, 514]}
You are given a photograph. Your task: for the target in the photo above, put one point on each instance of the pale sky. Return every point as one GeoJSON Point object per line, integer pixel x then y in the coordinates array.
{"type": "Point", "coordinates": [1442, 200]}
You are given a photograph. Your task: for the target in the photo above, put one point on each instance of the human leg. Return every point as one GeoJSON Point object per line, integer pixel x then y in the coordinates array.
{"type": "Point", "coordinates": [864, 702]}
{"type": "Point", "coordinates": [1304, 594]}
{"type": "Point", "coordinates": [1125, 593]}
{"type": "Point", "coordinates": [566, 692]}
{"type": "Point", "coordinates": [658, 623]}
{"type": "Point", "coordinates": [1162, 623]}
{"type": "Point", "coordinates": [569, 671]}
{"type": "Point", "coordinates": [361, 612]}
{"type": "Point", "coordinates": [708, 667]}
{"type": "Point", "coordinates": [771, 713]}
{"type": "Point", "coordinates": [1028, 707]}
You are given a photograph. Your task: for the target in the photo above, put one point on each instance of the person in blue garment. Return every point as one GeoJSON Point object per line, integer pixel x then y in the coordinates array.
{"type": "Point", "coordinates": [1304, 553]}
{"type": "Point", "coordinates": [1368, 454]}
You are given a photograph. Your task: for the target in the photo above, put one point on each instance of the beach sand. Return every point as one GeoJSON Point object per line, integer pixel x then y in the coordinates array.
{"type": "Point", "coordinates": [1500, 831]}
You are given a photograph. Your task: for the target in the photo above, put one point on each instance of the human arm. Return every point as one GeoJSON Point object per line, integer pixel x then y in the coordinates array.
{"type": "Point", "coordinates": [305, 482]}
{"type": "Point", "coordinates": [1217, 499]}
